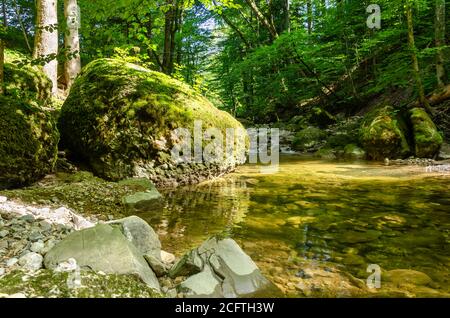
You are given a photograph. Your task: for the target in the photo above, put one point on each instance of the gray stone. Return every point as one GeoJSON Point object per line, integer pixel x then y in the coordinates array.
{"type": "Point", "coordinates": [11, 262]}
{"type": "Point", "coordinates": [157, 265]}
{"type": "Point", "coordinates": [444, 153]}
{"type": "Point", "coordinates": [224, 261]}
{"type": "Point", "coordinates": [167, 257]}
{"type": "Point", "coordinates": [45, 226]}
{"type": "Point", "coordinates": [142, 200]}
{"type": "Point", "coordinates": [27, 218]}
{"type": "Point", "coordinates": [35, 236]}
{"type": "Point", "coordinates": [205, 284]}
{"type": "Point", "coordinates": [37, 247]}
{"type": "Point", "coordinates": [191, 263]}
{"type": "Point", "coordinates": [140, 234]}
{"type": "Point", "coordinates": [102, 248]}
{"type": "Point", "coordinates": [2, 271]}
{"type": "Point", "coordinates": [31, 261]}
{"type": "Point", "coordinates": [3, 233]}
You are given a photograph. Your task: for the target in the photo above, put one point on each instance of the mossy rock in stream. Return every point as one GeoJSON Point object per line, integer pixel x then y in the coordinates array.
{"type": "Point", "coordinates": [119, 118]}
{"type": "Point", "coordinates": [382, 134]}
{"type": "Point", "coordinates": [309, 139]}
{"type": "Point", "coordinates": [24, 81]}
{"type": "Point", "coordinates": [28, 142]}
{"type": "Point", "coordinates": [427, 139]}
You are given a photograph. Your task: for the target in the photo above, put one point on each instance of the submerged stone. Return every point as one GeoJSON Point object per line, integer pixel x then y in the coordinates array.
{"type": "Point", "coordinates": [142, 200]}
{"type": "Point", "coordinates": [406, 276]}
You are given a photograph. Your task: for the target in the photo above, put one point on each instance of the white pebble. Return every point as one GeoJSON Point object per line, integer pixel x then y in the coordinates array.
{"type": "Point", "coordinates": [3, 199]}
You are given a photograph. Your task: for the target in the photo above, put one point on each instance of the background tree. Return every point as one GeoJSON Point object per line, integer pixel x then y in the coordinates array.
{"type": "Point", "coordinates": [46, 40]}
{"type": "Point", "coordinates": [72, 64]}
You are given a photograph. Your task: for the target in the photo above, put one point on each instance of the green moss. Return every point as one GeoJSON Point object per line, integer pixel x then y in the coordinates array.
{"type": "Point", "coordinates": [81, 192]}
{"type": "Point", "coordinates": [382, 134]}
{"type": "Point", "coordinates": [116, 112]}
{"type": "Point", "coordinates": [24, 81]}
{"type": "Point", "coordinates": [29, 139]}
{"type": "Point", "coordinates": [321, 117]}
{"type": "Point", "coordinates": [46, 283]}
{"type": "Point", "coordinates": [308, 138]}
{"type": "Point", "coordinates": [427, 139]}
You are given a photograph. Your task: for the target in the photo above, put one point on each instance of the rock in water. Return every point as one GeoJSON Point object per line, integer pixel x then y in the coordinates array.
{"type": "Point", "coordinates": [406, 276]}
{"type": "Point", "coordinates": [140, 234]}
{"type": "Point", "coordinates": [382, 135]}
{"type": "Point", "coordinates": [120, 118]}
{"type": "Point", "coordinates": [142, 200]}
{"type": "Point", "coordinates": [102, 248]}
{"type": "Point", "coordinates": [427, 140]}
{"type": "Point", "coordinates": [226, 272]}
{"type": "Point", "coordinates": [205, 284]}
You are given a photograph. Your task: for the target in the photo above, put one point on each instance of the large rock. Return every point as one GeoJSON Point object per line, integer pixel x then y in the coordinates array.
{"type": "Point", "coordinates": [28, 142]}
{"type": "Point", "coordinates": [427, 139]}
{"type": "Point", "coordinates": [226, 272]}
{"type": "Point", "coordinates": [120, 118]}
{"type": "Point", "coordinates": [382, 135]}
{"type": "Point", "coordinates": [102, 248]}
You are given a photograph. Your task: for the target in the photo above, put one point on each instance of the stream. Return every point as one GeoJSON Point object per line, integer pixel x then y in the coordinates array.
{"type": "Point", "coordinates": [328, 217]}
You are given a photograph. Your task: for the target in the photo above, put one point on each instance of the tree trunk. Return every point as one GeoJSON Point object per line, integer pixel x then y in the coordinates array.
{"type": "Point", "coordinates": [415, 61]}
{"type": "Point", "coordinates": [46, 41]}
{"type": "Point", "coordinates": [261, 18]}
{"type": "Point", "coordinates": [72, 65]}
{"type": "Point", "coordinates": [309, 15]}
{"type": "Point", "coordinates": [440, 41]}
{"type": "Point", "coordinates": [2, 51]}
{"type": "Point", "coordinates": [287, 17]}
{"type": "Point", "coordinates": [168, 28]}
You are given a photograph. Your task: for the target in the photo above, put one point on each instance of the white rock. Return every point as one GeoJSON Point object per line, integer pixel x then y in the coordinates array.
{"type": "Point", "coordinates": [167, 257]}
{"type": "Point", "coordinates": [31, 261]}
{"type": "Point", "coordinates": [11, 262]}
{"type": "Point", "coordinates": [3, 199]}
{"type": "Point", "coordinates": [37, 247]}
{"type": "Point", "coordinates": [68, 266]}
{"type": "Point", "coordinates": [80, 222]}
{"type": "Point", "coordinates": [2, 271]}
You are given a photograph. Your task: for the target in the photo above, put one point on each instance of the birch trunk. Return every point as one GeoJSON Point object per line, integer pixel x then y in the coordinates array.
{"type": "Point", "coordinates": [72, 65]}
{"type": "Point", "coordinates": [46, 42]}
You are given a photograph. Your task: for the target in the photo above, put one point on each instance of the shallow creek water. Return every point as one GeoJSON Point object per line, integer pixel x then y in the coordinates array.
{"type": "Point", "coordinates": [315, 226]}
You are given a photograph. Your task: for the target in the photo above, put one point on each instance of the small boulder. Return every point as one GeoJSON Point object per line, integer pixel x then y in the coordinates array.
{"type": "Point", "coordinates": [205, 284]}
{"type": "Point", "coordinates": [191, 263]}
{"type": "Point", "coordinates": [427, 139]}
{"type": "Point", "coordinates": [406, 276]}
{"type": "Point", "coordinates": [31, 261]}
{"type": "Point", "coordinates": [226, 272]}
{"type": "Point", "coordinates": [382, 135]}
{"type": "Point", "coordinates": [102, 248]}
{"type": "Point", "coordinates": [142, 200]}
{"type": "Point", "coordinates": [309, 139]}
{"type": "Point", "coordinates": [157, 265]}
{"type": "Point", "coordinates": [140, 234]}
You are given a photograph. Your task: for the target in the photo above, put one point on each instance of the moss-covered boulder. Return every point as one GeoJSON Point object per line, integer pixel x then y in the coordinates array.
{"type": "Point", "coordinates": [382, 134]}
{"type": "Point", "coordinates": [120, 119]}
{"type": "Point", "coordinates": [309, 139]}
{"type": "Point", "coordinates": [24, 81]}
{"type": "Point", "coordinates": [427, 139]}
{"type": "Point", "coordinates": [28, 142]}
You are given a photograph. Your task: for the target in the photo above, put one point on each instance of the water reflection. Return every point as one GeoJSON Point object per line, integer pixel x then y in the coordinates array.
{"type": "Point", "coordinates": [335, 215]}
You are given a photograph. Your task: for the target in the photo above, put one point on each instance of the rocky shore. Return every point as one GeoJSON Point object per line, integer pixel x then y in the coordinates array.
{"type": "Point", "coordinates": [74, 254]}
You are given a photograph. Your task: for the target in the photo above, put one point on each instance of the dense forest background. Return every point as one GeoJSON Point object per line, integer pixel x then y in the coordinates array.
{"type": "Point", "coordinates": [262, 60]}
